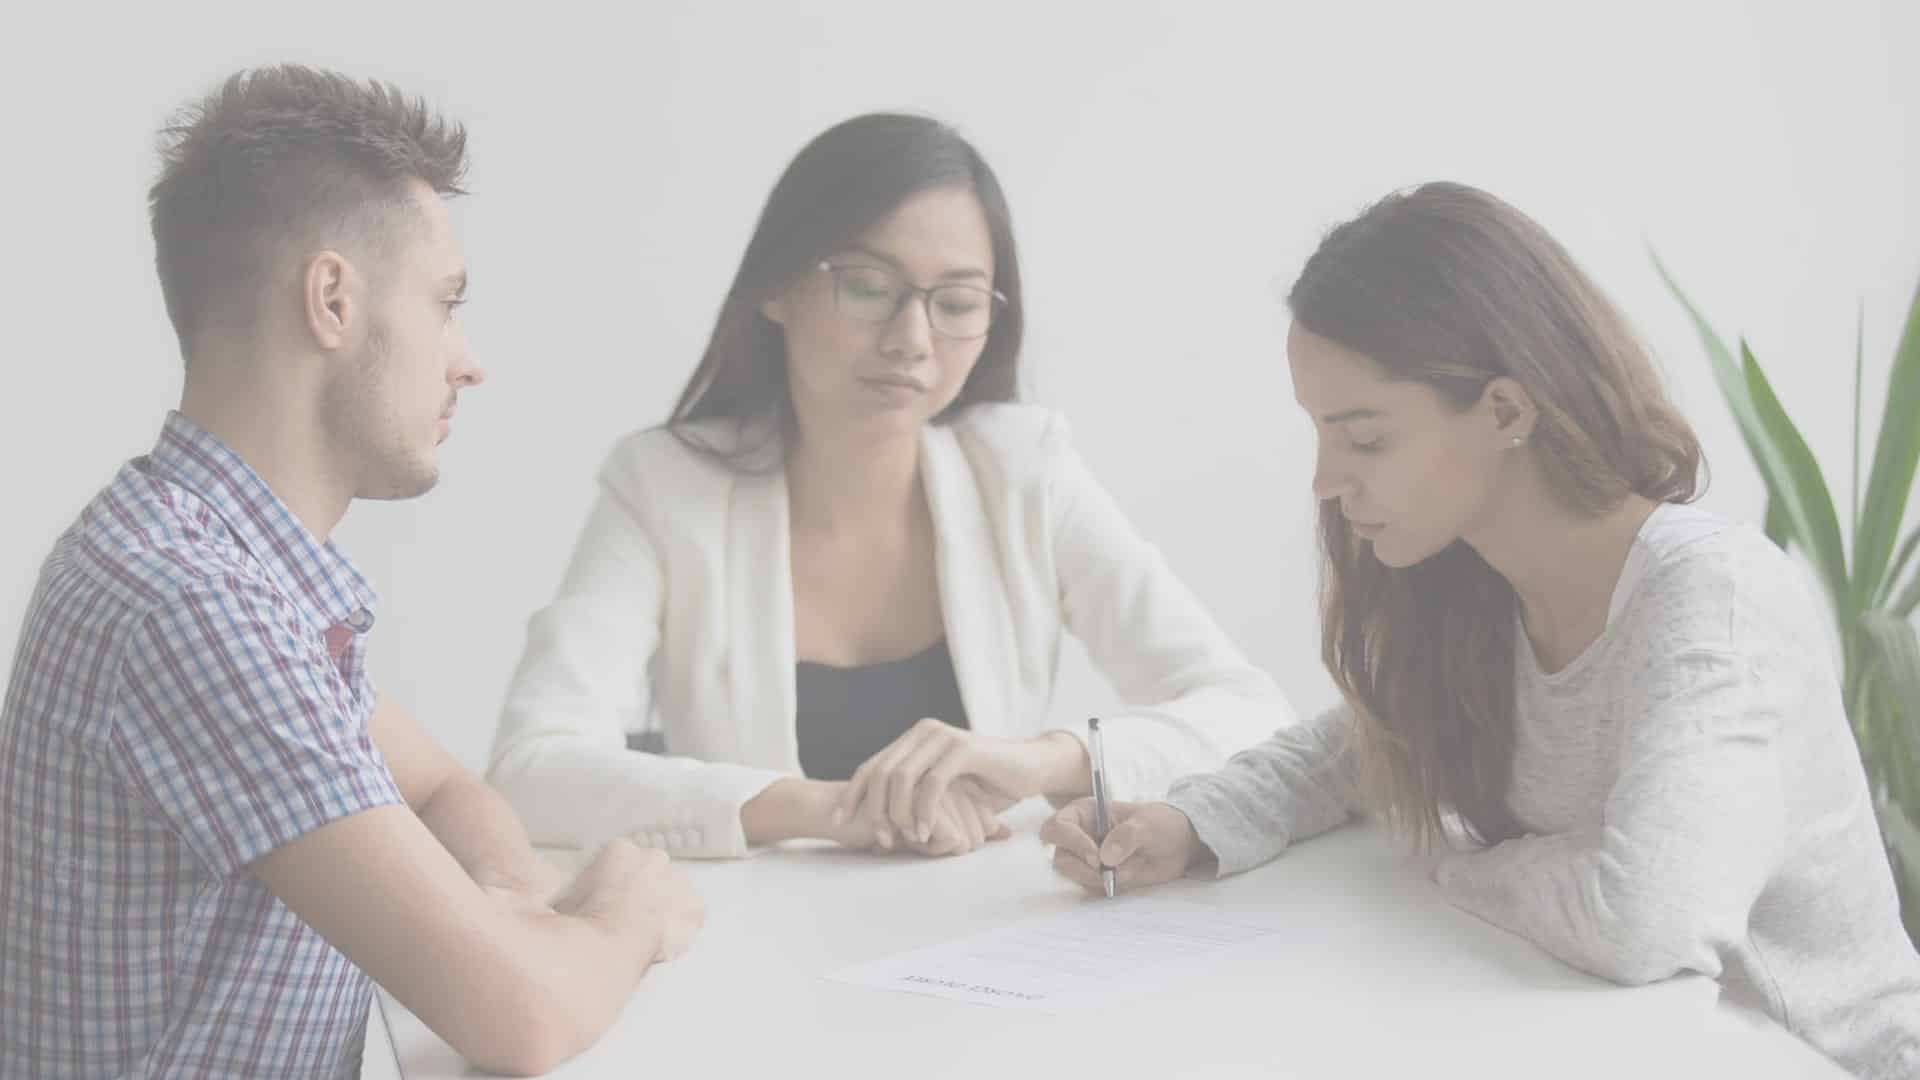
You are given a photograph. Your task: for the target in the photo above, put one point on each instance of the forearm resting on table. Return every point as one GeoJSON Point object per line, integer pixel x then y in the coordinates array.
{"type": "Point", "coordinates": [584, 971]}
{"type": "Point", "coordinates": [510, 987]}
{"type": "Point", "coordinates": [473, 822]}
{"type": "Point", "coordinates": [1600, 908]}
{"type": "Point", "coordinates": [792, 808]}
{"type": "Point", "coordinates": [478, 827]}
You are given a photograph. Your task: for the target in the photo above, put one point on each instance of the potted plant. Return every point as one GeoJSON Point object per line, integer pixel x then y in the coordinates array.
{"type": "Point", "coordinates": [1875, 587]}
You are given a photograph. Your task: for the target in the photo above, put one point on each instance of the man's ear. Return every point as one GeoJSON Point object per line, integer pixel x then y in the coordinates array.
{"type": "Point", "coordinates": [330, 299]}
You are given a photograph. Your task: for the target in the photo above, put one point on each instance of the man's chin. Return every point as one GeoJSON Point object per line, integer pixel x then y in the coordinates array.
{"type": "Point", "coordinates": [410, 484]}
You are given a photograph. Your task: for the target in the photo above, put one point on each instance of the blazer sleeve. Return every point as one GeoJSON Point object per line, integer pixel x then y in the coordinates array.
{"type": "Point", "coordinates": [1192, 699]}
{"type": "Point", "coordinates": [560, 755]}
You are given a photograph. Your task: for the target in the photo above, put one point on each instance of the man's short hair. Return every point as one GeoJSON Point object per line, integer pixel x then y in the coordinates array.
{"type": "Point", "coordinates": [279, 156]}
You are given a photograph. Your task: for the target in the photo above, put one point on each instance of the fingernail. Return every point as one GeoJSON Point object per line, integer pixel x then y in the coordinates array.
{"type": "Point", "coordinates": [926, 830]}
{"type": "Point", "coordinates": [839, 817]}
{"type": "Point", "coordinates": [885, 839]}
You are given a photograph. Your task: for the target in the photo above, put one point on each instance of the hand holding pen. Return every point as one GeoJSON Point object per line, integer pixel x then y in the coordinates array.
{"type": "Point", "coordinates": [1143, 843]}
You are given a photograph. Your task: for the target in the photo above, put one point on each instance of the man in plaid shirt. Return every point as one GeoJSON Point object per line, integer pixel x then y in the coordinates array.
{"type": "Point", "coordinates": [211, 823]}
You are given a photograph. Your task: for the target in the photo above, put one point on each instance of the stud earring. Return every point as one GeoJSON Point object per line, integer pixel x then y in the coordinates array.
{"type": "Point", "coordinates": [1517, 440]}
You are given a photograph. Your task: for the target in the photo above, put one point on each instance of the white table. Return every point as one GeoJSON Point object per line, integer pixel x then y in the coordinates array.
{"type": "Point", "coordinates": [1379, 976]}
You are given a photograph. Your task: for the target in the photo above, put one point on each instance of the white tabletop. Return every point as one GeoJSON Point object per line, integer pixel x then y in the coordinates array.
{"type": "Point", "coordinates": [1377, 976]}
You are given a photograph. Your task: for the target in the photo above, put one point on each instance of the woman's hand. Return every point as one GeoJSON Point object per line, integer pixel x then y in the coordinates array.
{"type": "Point", "coordinates": [966, 818]}
{"type": "Point", "coordinates": [1150, 843]}
{"type": "Point", "coordinates": [902, 786]}
{"type": "Point", "coordinates": [792, 808]}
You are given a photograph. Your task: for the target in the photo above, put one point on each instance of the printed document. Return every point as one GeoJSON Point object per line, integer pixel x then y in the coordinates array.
{"type": "Point", "coordinates": [1068, 960]}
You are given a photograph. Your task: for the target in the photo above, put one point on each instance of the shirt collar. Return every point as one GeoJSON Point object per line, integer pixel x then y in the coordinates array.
{"type": "Point", "coordinates": [317, 573]}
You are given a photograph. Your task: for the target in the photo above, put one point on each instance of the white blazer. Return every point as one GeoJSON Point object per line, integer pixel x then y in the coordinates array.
{"type": "Point", "coordinates": [679, 602]}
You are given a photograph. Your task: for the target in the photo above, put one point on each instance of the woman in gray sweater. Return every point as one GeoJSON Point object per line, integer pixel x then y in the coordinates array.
{"type": "Point", "coordinates": [1617, 712]}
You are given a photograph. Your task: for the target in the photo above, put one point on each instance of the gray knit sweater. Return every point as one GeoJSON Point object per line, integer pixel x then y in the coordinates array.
{"type": "Point", "coordinates": [1692, 794]}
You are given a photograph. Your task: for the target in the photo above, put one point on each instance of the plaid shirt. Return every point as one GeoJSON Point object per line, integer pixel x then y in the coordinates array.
{"type": "Point", "coordinates": [190, 692]}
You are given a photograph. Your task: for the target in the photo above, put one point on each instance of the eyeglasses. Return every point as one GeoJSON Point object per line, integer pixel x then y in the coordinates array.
{"type": "Point", "coordinates": [875, 294]}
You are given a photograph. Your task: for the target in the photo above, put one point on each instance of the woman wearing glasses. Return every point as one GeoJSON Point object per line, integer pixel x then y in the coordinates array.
{"type": "Point", "coordinates": [839, 575]}
{"type": "Point", "coordinates": [1621, 704]}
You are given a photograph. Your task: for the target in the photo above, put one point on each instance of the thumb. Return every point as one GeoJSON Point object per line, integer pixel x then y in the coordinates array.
{"type": "Point", "coordinates": [1125, 839]}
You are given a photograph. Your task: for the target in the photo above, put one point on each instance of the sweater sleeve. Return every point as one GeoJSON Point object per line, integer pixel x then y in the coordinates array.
{"type": "Point", "coordinates": [1690, 831]}
{"type": "Point", "coordinates": [1298, 783]}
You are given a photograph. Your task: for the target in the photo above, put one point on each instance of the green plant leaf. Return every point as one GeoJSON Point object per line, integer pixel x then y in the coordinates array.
{"type": "Point", "coordinates": [1909, 598]}
{"type": "Point", "coordinates": [1733, 389]}
{"type": "Point", "coordinates": [1899, 653]}
{"type": "Point", "coordinates": [1898, 570]}
{"type": "Point", "coordinates": [1894, 457]}
{"type": "Point", "coordinates": [1859, 701]}
{"type": "Point", "coordinates": [1778, 528]}
{"type": "Point", "coordinates": [1859, 366]}
{"type": "Point", "coordinates": [1902, 832]}
{"type": "Point", "coordinates": [1782, 453]}
{"type": "Point", "coordinates": [1903, 836]}
{"type": "Point", "coordinates": [1903, 848]}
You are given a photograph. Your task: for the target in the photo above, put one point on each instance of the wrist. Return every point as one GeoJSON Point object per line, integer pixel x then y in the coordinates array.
{"type": "Point", "coordinates": [624, 929]}
{"type": "Point", "coordinates": [518, 899]}
{"type": "Point", "coordinates": [1198, 854]}
{"type": "Point", "coordinates": [1065, 768]}
{"type": "Point", "coordinates": [791, 808]}
{"type": "Point", "coordinates": [533, 881]}
{"type": "Point", "coordinates": [648, 937]}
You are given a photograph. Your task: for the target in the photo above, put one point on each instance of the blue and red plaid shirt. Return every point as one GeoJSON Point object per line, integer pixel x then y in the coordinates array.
{"type": "Point", "coordinates": [190, 692]}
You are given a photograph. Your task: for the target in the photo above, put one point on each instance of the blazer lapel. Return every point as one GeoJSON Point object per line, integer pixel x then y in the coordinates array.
{"type": "Point", "coordinates": [973, 601]}
{"type": "Point", "coordinates": [760, 621]}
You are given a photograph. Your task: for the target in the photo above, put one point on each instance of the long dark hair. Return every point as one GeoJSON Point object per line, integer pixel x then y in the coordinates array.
{"type": "Point", "coordinates": [848, 178]}
{"type": "Point", "coordinates": [1448, 286]}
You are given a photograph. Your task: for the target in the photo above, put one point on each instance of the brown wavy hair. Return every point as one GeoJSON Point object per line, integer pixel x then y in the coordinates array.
{"type": "Point", "coordinates": [1449, 286]}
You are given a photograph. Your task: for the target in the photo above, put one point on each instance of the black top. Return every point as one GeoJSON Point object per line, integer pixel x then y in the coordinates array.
{"type": "Point", "coordinates": [847, 715]}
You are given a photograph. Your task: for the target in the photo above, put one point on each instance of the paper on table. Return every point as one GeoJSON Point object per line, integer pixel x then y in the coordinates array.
{"type": "Point", "coordinates": [1065, 961]}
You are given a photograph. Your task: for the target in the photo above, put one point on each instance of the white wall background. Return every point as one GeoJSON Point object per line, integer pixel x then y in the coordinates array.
{"type": "Point", "coordinates": [1169, 169]}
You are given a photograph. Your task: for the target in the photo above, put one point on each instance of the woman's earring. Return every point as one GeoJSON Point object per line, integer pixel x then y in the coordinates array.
{"type": "Point", "coordinates": [1517, 440]}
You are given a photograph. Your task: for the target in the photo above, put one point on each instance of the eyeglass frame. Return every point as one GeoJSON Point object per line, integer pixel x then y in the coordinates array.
{"type": "Point", "coordinates": [909, 291]}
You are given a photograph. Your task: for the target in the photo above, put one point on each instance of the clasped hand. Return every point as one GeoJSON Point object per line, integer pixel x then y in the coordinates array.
{"type": "Point", "coordinates": [940, 789]}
